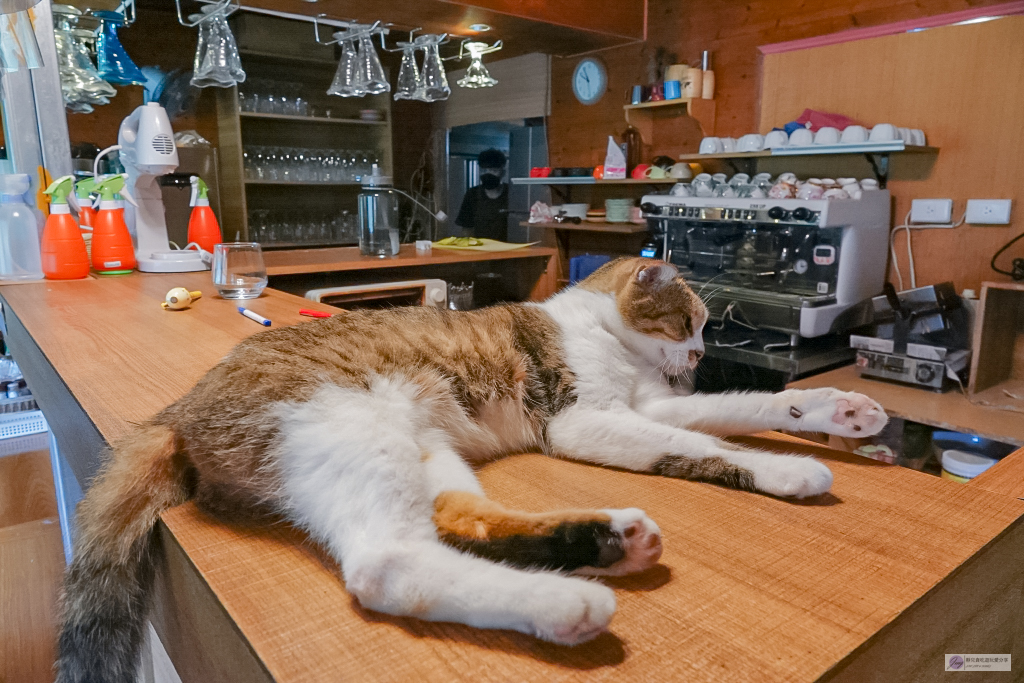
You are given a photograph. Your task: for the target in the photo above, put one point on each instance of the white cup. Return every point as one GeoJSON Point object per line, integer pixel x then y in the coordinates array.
{"type": "Point", "coordinates": [711, 146]}
{"type": "Point", "coordinates": [801, 137]}
{"type": "Point", "coordinates": [681, 190]}
{"type": "Point", "coordinates": [728, 145]}
{"type": "Point", "coordinates": [681, 171]}
{"type": "Point", "coordinates": [883, 132]}
{"type": "Point", "coordinates": [810, 191]}
{"type": "Point", "coordinates": [853, 135]}
{"type": "Point", "coordinates": [776, 138]}
{"type": "Point", "coordinates": [904, 134]}
{"type": "Point", "coordinates": [827, 136]}
{"type": "Point", "coordinates": [917, 137]}
{"type": "Point", "coordinates": [869, 184]}
{"type": "Point", "coordinates": [787, 178]}
{"type": "Point", "coordinates": [720, 178]}
{"type": "Point", "coordinates": [836, 193]}
{"type": "Point", "coordinates": [751, 142]}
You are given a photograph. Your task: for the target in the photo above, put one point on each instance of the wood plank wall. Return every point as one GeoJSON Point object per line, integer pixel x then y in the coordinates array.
{"type": "Point", "coordinates": [733, 30]}
{"type": "Point", "coordinates": [964, 86]}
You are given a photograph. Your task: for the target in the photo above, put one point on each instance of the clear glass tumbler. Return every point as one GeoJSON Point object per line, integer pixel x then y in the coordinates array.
{"type": "Point", "coordinates": [238, 270]}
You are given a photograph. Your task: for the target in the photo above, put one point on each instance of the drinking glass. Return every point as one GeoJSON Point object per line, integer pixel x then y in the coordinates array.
{"type": "Point", "coordinates": [217, 62]}
{"type": "Point", "coordinates": [434, 82]}
{"type": "Point", "coordinates": [372, 73]}
{"type": "Point", "coordinates": [460, 297]}
{"type": "Point", "coordinates": [238, 270]}
{"type": "Point", "coordinates": [409, 81]}
{"type": "Point", "coordinates": [115, 66]}
{"type": "Point", "coordinates": [347, 79]}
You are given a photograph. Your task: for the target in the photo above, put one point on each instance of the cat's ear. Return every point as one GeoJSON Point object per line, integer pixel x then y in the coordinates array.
{"type": "Point", "coordinates": [655, 274]}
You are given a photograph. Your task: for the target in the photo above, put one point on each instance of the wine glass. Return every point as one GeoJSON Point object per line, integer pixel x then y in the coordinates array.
{"type": "Point", "coordinates": [347, 79]}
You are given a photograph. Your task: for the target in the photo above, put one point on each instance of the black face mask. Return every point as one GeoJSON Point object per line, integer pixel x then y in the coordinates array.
{"type": "Point", "coordinates": [490, 181]}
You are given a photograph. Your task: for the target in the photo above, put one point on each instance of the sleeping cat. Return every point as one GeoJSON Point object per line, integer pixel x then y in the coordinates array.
{"type": "Point", "coordinates": [363, 429]}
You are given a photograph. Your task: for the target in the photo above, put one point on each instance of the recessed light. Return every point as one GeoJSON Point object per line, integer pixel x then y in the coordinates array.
{"type": "Point", "coordinates": [479, 28]}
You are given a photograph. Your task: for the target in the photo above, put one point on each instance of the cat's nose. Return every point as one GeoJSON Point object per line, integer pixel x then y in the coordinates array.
{"type": "Point", "coordinates": [695, 356]}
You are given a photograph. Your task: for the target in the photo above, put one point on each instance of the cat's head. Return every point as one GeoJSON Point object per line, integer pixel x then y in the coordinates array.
{"type": "Point", "coordinates": [663, 317]}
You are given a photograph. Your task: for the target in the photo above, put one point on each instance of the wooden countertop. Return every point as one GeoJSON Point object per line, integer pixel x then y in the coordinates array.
{"type": "Point", "coordinates": [949, 410]}
{"type": "Point", "coordinates": [877, 579]}
{"type": "Point", "coordinates": [331, 259]}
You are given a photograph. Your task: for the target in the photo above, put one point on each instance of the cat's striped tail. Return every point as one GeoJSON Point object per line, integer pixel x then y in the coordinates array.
{"type": "Point", "coordinates": [107, 587]}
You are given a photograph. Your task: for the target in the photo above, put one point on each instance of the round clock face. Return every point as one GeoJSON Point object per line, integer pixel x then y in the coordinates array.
{"type": "Point", "coordinates": [589, 81]}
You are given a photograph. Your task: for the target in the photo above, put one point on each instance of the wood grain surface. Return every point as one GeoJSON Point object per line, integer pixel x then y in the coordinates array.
{"type": "Point", "coordinates": [908, 79]}
{"type": "Point", "coordinates": [333, 259]}
{"type": "Point", "coordinates": [750, 588]}
{"type": "Point", "coordinates": [26, 488]}
{"type": "Point", "coordinates": [1005, 477]}
{"type": "Point", "coordinates": [31, 566]}
{"type": "Point", "coordinates": [949, 410]}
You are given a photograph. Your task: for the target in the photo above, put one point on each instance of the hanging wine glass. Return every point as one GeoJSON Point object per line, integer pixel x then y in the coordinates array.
{"type": "Point", "coordinates": [410, 83]}
{"type": "Point", "coordinates": [434, 81]}
{"type": "Point", "coordinates": [347, 79]}
{"type": "Point", "coordinates": [477, 75]}
{"type": "Point", "coordinates": [217, 62]}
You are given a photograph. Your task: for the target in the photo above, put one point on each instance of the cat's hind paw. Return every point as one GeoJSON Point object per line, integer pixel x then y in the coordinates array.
{"type": "Point", "coordinates": [572, 614]}
{"type": "Point", "coordinates": [640, 540]}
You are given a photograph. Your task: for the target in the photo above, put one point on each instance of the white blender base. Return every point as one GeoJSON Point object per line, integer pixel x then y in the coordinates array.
{"type": "Point", "coordinates": [177, 261]}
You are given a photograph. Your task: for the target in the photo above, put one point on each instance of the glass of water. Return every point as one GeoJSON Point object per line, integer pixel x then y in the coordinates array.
{"type": "Point", "coordinates": [238, 270]}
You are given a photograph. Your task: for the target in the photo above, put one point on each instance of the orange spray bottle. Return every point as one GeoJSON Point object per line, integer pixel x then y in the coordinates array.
{"type": "Point", "coordinates": [63, 249]}
{"type": "Point", "coordinates": [86, 214]}
{"type": "Point", "coordinates": [112, 249]}
{"type": "Point", "coordinates": [203, 228]}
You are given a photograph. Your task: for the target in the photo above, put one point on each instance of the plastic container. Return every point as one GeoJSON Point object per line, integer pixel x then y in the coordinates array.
{"type": "Point", "coordinates": [961, 466]}
{"type": "Point", "coordinates": [378, 216]}
{"type": "Point", "coordinates": [19, 231]}
{"type": "Point", "coordinates": [969, 443]}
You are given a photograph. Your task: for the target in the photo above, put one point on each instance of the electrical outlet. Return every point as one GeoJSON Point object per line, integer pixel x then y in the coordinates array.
{"type": "Point", "coordinates": [931, 210]}
{"type": "Point", "coordinates": [988, 211]}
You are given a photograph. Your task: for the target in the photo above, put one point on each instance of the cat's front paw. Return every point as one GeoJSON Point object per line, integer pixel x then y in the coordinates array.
{"type": "Point", "coordinates": [837, 412]}
{"type": "Point", "coordinates": [639, 538]}
{"type": "Point", "coordinates": [574, 613]}
{"type": "Point", "coordinates": [793, 477]}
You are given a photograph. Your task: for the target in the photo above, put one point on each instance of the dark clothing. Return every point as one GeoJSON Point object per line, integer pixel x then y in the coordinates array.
{"type": "Point", "coordinates": [483, 216]}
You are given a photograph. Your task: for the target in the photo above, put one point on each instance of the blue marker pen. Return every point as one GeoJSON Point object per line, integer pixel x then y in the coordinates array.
{"type": "Point", "coordinates": [254, 316]}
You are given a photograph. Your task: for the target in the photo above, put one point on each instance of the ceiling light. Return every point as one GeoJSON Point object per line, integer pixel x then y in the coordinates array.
{"type": "Point", "coordinates": [479, 28]}
{"type": "Point", "coordinates": [476, 75]}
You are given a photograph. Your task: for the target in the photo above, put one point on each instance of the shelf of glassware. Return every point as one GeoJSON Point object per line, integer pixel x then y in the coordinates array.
{"type": "Point", "coordinates": [590, 180]}
{"type": "Point", "coordinates": [302, 183]}
{"type": "Point", "coordinates": [309, 119]}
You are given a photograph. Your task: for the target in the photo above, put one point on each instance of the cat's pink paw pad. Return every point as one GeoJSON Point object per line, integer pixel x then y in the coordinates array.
{"type": "Point", "coordinates": [640, 538]}
{"type": "Point", "coordinates": [859, 415]}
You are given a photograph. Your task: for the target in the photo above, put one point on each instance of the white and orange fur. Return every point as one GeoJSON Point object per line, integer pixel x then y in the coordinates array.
{"type": "Point", "coordinates": [362, 467]}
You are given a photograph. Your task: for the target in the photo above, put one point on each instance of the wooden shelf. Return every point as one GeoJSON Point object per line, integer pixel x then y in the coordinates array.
{"type": "Point", "coordinates": [703, 111]}
{"type": "Point", "coordinates": [685, 101]}
{"type": "Point", "coordinates": [588, 180]}
{"type": "Point", "coordinates": [308, 119]}
{"type": "Point", "coordinates": [586, 226]}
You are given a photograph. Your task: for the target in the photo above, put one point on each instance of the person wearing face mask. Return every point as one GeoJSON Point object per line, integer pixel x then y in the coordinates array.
{"type": "Point", "coordinates": [484, 211]}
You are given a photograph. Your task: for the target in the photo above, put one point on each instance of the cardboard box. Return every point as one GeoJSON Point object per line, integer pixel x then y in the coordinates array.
{"type": "Point", "coordinates": [997, 369]}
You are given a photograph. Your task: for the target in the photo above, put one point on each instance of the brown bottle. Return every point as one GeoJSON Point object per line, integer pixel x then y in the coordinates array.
{"type": "Point", "coordinates": [634, 148]}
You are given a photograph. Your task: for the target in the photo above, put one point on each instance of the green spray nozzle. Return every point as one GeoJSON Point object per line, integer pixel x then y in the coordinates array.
{"type": "Point", "coordinates": [85, 187]}
{"type": "Point", "coordinates": [200, 192]}
{"type": "Point", "coordinates": [60, 188]}
{"type": "Point", "coordinates": [108, 186]}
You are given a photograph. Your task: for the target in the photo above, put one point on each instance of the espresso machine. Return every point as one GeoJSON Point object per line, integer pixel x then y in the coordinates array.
{"type": "Point", "coordinates": [806, 268]}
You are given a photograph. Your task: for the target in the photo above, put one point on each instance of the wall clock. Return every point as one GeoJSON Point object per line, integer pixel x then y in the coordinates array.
{"type": "Point", "coordinates": [589, 80]}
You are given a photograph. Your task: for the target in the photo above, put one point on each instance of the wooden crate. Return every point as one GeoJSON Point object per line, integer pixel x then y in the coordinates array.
{"type": "Point", "coordinates": [997, 368]}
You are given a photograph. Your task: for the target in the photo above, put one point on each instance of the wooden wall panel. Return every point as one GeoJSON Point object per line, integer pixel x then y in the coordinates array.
{"type": "Point", "coordinates": [964, 86]}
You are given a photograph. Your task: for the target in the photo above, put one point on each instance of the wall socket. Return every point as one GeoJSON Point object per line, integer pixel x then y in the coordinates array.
{"type": "Point", "coordinates": [931, 211]}
{"type": "Point", "coordinates": [988, 211]}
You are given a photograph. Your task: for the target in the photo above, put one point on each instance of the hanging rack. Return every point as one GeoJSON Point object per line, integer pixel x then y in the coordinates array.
{"type": "Point", "coordinates": [226, 6]}
{"type": "Point", "coordinates": [351, 31]}
{"type": "Point", "coordinates": [463, 52]}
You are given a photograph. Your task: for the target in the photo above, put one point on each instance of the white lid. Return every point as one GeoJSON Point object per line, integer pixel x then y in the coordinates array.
{"type": "Point", "coordinates": [14, 183]}
{"type": "Point", "coordinates": [963, 464]}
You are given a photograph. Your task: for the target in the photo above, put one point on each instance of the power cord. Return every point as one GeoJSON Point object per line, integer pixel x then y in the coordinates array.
{"type": "Point", "coordinates": [1017, 265]}
{"type": "Point", "coordinates": [908, 226]}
